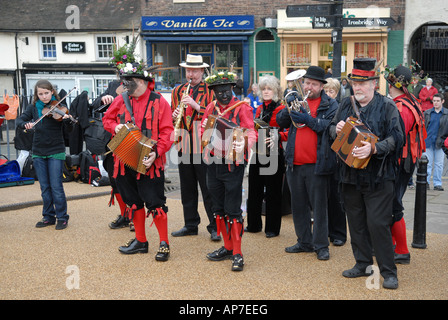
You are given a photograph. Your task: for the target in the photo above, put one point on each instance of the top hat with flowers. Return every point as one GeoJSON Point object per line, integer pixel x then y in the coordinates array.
{"type": "Point", "coordinates": [363, 69]}
{"type": "Point", "coordinates": [399, 77]}
{"type": "Point", "coordinates": [223, 77]}
{"type": "Point", "coordinates": [124, 60]}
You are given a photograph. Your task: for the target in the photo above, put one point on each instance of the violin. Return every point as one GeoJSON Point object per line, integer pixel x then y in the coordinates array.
{"type": "Point", "coordinates": [58, 112]}
{"type": "Point", "coordinates": [53, 110]}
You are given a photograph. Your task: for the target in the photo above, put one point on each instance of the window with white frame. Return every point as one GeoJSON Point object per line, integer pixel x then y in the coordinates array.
{"type": "Point", "coordinates": [48, 48]}
{"type": "Point", "coordinates": [105, 47]}
{"type": "Point", "coordinates": [101, 86]}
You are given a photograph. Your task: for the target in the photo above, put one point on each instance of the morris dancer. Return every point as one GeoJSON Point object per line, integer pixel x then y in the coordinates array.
{"type": "Point", "coordinates": [368, 193]}
{"type": "Point", "coordinates": [192, 169]}
{"type": "Point", "coordinates": [152, 114]}
{"type": "Point", "coordinates": [225, 178]}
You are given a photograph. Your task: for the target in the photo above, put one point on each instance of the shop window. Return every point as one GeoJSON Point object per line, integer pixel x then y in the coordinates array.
{"type": "Point", "coordinates": [227, 54]}
{"type": "Point", "coordinates": [326, 52]}
{"type": "Point", "coordinates": [368, 50]}
{"type": "Point", "coordinates": [200, 48]}
{"type": "Point", "coordinates": [105, 47]}
{"type": "Point", "coordinates": [298, 54]}
{"type": "Point", "coordinates": [168, 56]}
{"type": "Point", "coordinates": [48, 48]}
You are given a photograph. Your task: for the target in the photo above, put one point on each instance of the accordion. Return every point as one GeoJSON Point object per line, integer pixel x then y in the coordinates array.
{"type": "Point", "coordinates": [349, 138]}
{"type": "Point", "coordinates": [264, 131]}
{"type": "Point", "coordinates": [219, 135]}
{"type": "Point", "coordinates": [131, 146]}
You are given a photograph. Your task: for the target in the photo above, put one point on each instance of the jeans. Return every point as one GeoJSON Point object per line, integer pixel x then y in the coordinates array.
{"type": "Point", "coordinates": [49, 174]}
{"type": "Point", "coordinates": [435, 160]}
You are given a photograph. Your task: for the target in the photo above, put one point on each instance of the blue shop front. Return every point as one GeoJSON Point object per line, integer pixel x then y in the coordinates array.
{"type": "Point", "coordinates": [220, 40]}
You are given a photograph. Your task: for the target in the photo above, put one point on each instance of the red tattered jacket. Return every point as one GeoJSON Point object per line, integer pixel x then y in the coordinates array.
{"type": "Point", "coordinates": [245, 119]}
{"type": "Point", "coordinates": [153, 109]}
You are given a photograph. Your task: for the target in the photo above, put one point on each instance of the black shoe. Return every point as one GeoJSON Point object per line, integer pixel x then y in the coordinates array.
{"type": "Point", "coordinates": [184, 232]}
{"type": "Point", "coordinates": [338, 243]}
{"type": "Point", "coordinates": [404, 258]}
{"type": "Point", "coordinates": [62, 224]}
{"type": "Point", "coordinates": [44, 223]}
{"type": "Point", "coordinates": [164, 252]}
{"type": "Point", "coordinates": [298, 248]}
{"type": "Point", "coordinates": [271, 234]}
{"type": "Point", "coordinates": [323, 254]}
{"type": "Point", "coordinates": [119, 222]}
{"type": "Point", "coordinates": [134, 246]}
{"type": "Point", "coordinates": [390, 283]}
{"type": "Point", "coordinates": [214, 236]}
{"type": "Point", "coordinates": [247, 229]}
{"type": "Point", "coordinates": [438, 188]}
{"type": "Point", "coordinates": [220, 254]}
{"type": "Point", "coordinates": [356, 273]}
{"type": "Point", "coordinates": [238, 263]}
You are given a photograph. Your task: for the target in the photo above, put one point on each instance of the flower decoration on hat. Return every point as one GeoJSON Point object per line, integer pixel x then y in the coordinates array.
{"type": "Point", "coordinates": [399, 77]}
{"type": "Point", "coordinates": [124, 60]}
{"type": "Point", "coordinates": [221, 77]}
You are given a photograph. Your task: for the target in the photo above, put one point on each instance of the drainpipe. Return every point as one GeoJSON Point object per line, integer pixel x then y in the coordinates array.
{"type": "Point", "coordinates": [17, 84]}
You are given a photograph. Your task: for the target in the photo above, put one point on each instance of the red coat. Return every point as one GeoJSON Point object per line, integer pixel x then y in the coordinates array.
{"type": "Point", "coordinates": [159, 121]}
{"type": "Point", "coordinates": [426, 96]}
{"type": "Point", "coordinates": [245, 115]}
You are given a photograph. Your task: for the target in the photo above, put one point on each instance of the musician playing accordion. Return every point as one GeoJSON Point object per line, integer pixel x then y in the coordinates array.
{"type": "Point", "coordinates": [368, 193]}
{"type": "Point", "coordinates": [151, 113]}
{"type": "Point", "coordinates": [225, 173]}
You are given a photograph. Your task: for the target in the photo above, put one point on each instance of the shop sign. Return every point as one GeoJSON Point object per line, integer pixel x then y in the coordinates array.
{"type": "Point", "coordinates": [73, 47]}
{"type": "Point", "coordinates": [187, 23]}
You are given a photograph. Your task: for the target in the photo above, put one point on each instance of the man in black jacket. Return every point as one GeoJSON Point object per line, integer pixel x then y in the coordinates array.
{"type": "Point", "coordinates": [368, 193]}
{"type": "Point", "coordinates": [310, 164]}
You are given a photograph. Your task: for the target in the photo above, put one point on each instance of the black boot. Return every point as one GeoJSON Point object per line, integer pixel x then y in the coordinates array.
{"type": "Point", "coordinates": [134, 246]}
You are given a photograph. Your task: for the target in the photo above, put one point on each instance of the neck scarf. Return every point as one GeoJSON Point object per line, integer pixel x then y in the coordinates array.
{"type": "Point", "coordinates": [40, 105]}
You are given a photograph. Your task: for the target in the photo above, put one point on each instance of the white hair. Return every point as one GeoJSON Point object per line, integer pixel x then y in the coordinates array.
{"type": "Point", "coordinates": [273, 83]}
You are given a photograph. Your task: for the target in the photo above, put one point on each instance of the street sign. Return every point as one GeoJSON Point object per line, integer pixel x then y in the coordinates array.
{"type": "Point", "coordinates": [323, 22]}
{"type": "Point", "coordinates": [73, 47]}
{"type": "Point", "coordinates": [308, 10]}
{"type": "Point", "coordinates": [367, 22]}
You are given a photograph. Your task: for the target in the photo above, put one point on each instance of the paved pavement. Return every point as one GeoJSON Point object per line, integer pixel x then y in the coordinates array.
{"type": "Point", "coordinates": [48, 264]}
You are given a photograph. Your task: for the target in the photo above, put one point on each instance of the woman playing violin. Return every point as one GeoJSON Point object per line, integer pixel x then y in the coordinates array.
{"type": "Point", "coordinates": [48, 152]}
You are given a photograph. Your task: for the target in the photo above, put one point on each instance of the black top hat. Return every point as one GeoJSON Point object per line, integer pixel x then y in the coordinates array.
{"type": "Point", "coordinates": [363, 69]}
{"type": "Point", "coordinates": [400, 77]}
{"type": "Point", "coordinates": [316, 73]}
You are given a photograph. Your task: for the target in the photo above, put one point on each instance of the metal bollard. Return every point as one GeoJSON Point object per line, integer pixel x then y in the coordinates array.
{"type": "Point", "coordinates": [419, 239]}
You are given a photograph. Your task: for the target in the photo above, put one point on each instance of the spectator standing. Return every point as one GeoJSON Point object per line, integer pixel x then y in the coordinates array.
{"type": "Point", "coordinates": [436, 121]}
{"type": "Point", "coordinates": [426, 94]}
